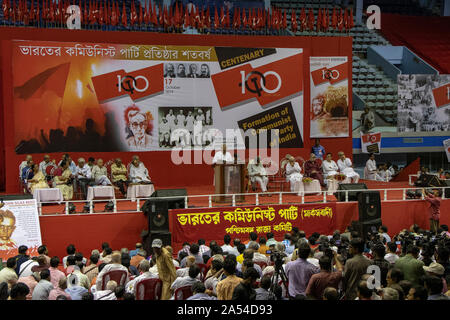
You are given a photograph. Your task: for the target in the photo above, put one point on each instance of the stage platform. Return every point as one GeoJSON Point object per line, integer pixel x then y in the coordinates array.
{"type": "Point", "coordinates": [123, 229]}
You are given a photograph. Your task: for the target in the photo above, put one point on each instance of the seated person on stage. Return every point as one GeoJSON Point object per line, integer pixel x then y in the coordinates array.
{"type": "Point", "coordinates": [313, 169]}
{"type": "Point", "coordinates": [45, 163]}
{"type": "Point", "coordinates": [38, 181]}
{"type": "Point", "coordinates": [83, 175]}
{"type": "Point", "coordinates": [100, 174]}
{"type": "Point", "coordinates": [27, 172]}
{"type": "Point", "coordinates": [63, 180]}
{"type": "Point", "coordinates": [329, 167]}
{"type": "Point", "coordinates": [393, 169]}
{"type": "Point", "coordinates": [257, 173]}
{"type": "Point", "coordinates": [91, 163]}
{"type": "Point", "coordinates": [68, 159]}
{"type": "Point", "coordinates": [119, 175]}
{"type": "Point", "coordinates": [138, 172]}
{"type": "Point", "coordinates": [223, 156]}
{"type": "Point", "coordinates": [346, 167]}
{"type": "Point", "coordinates": [384, 173]}
{"type": "Point", "coordinates": [293, 174]}
{"type": "Point", "coordinates": [371, 169]}
{"type": "Point", "coordinates": [23, 164]}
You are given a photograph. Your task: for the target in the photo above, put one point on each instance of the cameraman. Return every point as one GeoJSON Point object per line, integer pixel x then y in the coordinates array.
{"type": "Point", "coordinates": [326, 277]}
{"type": "Point", "coordinates": [435, 208]}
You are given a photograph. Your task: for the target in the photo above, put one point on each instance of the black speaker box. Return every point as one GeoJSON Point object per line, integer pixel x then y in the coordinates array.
{"type": "Point", "coordinates": [352, 195]}
{"type": "Point", "coordinates": [369, 206]}
{"type": "Point", "coordinates": [9, 197]}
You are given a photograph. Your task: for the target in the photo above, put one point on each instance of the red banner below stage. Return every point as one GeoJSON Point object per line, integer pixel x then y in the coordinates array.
{"type": "Point", "coordinates": [213, 223]}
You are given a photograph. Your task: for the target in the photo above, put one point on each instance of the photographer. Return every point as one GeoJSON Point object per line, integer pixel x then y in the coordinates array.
{"type": "Point", "coordinates": [326, 277]}
{"type": "Point", "coordinates": [435, 208]}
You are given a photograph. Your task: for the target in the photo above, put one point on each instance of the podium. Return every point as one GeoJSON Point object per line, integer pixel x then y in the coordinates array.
{"type": "Point", "coordinates": [228, 179]}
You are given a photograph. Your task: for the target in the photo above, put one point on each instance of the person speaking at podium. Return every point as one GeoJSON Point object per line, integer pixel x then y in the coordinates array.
{"type": "Point", "coordinates": [223, 156]}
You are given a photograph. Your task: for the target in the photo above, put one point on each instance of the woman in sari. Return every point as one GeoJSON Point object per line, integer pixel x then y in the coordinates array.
{"type": "Point", "coordinates": [38, 181]}
{"type": "Point", "coordinates": [63, 181]}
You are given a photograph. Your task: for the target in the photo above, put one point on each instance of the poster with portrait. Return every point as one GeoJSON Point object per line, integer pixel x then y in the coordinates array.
{"type": "Point", "coordinates": [19, 225]}
{"type": "Point", "coordinates": [329, 97]}
{"type": "Point", "coordinates": [423, 102]}
{"type": "Point", "coordinates": [115, 97]}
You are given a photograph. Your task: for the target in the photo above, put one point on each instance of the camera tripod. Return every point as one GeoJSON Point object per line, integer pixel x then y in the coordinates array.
{"type": "Point", "coordinates": [278, 274]}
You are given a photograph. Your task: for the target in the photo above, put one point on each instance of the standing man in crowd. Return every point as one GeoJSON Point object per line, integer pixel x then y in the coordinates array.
{"type": "Point", "coordinates": [166, 269]}
{"type": "Point", "coordinates": [435, 208]}
{"type": "Point", "coordinates": [354, 268]}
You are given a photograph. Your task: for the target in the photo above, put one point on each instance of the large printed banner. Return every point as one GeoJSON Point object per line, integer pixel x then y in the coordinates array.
{"type": "Point", "coordinates": [423, 103]}
{"type": "Point", "coordinates": [19, 225]}
{"type": "Point", "coordinates": [447, 148]}
{"type": "Point", "coordinates": [213, 223]}
{"type": "Point", "coordinates": [329, 97]}
{"type": "Point", "coordinates": [109, 97]}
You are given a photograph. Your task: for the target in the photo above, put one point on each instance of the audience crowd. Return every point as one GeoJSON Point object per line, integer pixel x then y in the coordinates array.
{"type": "Point", "coordinates": [412, 265]}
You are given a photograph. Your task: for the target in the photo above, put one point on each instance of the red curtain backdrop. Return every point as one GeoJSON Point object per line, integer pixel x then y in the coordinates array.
{"type": "Point", "coordinates": [173, 176]}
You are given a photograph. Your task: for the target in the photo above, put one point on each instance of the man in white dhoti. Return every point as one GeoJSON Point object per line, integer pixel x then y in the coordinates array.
{"type": "Point", "coordinates": [223, 156]}
{"type": "Point", "coordinates": [138, 172]}
{"type": "Point", "coordinates": [293, 175]}
{"type": "Point", "coordinates": [83, 176]}
{"type": "Point", "coordinates": [100, 174]}
{"type": "Point", "coordinates": [346, 167]}
{"type": "Point", "coordinates": [257, 173]}
{"type": "Point", "coordinates": [370, 171]}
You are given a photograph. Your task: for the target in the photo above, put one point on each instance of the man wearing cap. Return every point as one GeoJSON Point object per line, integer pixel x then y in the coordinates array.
{"type": "Point", "coordinates": [166, 269]}
{"type": "Point", "coordinates": [436, 269]}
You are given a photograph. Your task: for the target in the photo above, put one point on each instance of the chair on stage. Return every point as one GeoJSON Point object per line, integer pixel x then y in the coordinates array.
{"type": "Point", "coordinates": [277, 177]}
{"type": "Point", "coordinates": [149, 289]}
{"type": "Point", "coordinates": [183, 293]}
{"type": "Point", "coordinates": [119, 276]}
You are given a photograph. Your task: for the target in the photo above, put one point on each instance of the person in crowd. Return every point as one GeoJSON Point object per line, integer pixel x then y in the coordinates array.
{"type": "Point", "coordinates": [64, 180]}
{"type": "Point", "coordinates": [74, 289]}
{"type": "Point", "coordinates": [437, 270]}
{"type": "Point", "coordinates": [391, 255]}
{"type": "Point", "coordinates": [199, 292]}
{"type": "Point", "coordinates": [91, 162]}
{"type": "Point", "coordinates": [346, 167]}
{"type": "Point", "coordinates": [244, 291]}
{"type": "Point", "coordinates": [300, 271]}
{"type": "Point", "coordinates": [134, 252]}
{"type": "Point", "coordinates": [434, 286]}
{"type": "Point", "coordinates": [119, 175]}
{"type": "Point", "coordinates": [417, 292]}
{"type": "Point", "coordinates": [21, 257]}
{"type": "Point", "coordinates": [9, 274]}
{"type": "Point", "coordinates": [83, 176]}
{"type": "Point", "coordinates": [30, 281]}
{"type": "Point", "coordinates": [379, 251]}
{"type": "Point", "coordinates": [25, 269]}
{"type": "Point", "coordinates": [257, 174]}
{"type": "Point", "coordinates": [227, 247]}
{"type": "Point", "coordinates": [371, 171]}
{"type": "Point", "coordinates": [42, 264]}
{"type": "Point", "coordinates": [116, 264]}
{"type": "Point", "coordinates": [71, 165]}
{"type": "Point", "coordinates": [19, 291]}
{"type": "Point", "coordinates": [384, 173]}
{"type": "Point", "coordinates": [43, 251]}
{"type": "Point", "coordinates": [55, 273]}
{"type": "Point", "coordinates": [389, 294]}
{"type": "Point", "coordinates": [194, 250]}
{"type": "Point", "coordinates": [257, 256]}
{"type": "Point", "coordinates": [293, 175]}
{"type": "Point", "coordinates": [225, 287]}
{"type": "Point", "coordinates": [138, 172]}
{"type": "Point", "coordinates": [108, 293]}
{"type": "Point", "coordinates": [222, 156]}
{"type": "Point", "coordinates": [166, 269]}
{"type": "Point", "coordinates": [394, 276]}
{"type": "Point", "coordinates": [59, 290]}
{"type": "Point", "coordinates": [100, 174]}
{"type": "Point", "coordinates": [354, 268]}
{"type": "Point", "coordinates": [434, 211]}
{"type": "Point", "coordinates": [71, 250]}
{"type": "Point", "coordinates": [136, 259]}
{"type": "Point", "coordinates": [144, 269]}
{"type": "Point", "coordinates": [44, 286]}
{"type": "Point", "coordinates": [330, 294]}
{"type": "Point", "coordinates": [91, 270]}
{"type": "Point", "coordinates": [38, 181]}
{"type": "Point", "coordinates": [412, 267]}
{"type": "Point", "coordinates": [383, 231]}
{"type": "Point", "coordinates": [188, 280]}
{"type": "Point", "coordinates": [263, 248]}
{"type": "Point", "coordinates": [325, 278]}
{"type": "Point", "coordinates": [45, 163]}
{"type": "Point", "coordinates": [262, 292]}
{"type": "Point", "coordinates": [270, 239]}
{"type": "Point", "coordinates": [313, 169]}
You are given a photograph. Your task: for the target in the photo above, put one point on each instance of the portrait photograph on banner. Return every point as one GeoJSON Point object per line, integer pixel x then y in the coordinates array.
{"type": "Point", "coordinates": [111, 97]}
{"type": "Point", "coordinates": [329, 114]}
{"type": "Point", "coordinates": [423, 103]}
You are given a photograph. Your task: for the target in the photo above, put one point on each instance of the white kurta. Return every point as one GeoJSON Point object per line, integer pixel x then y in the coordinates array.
{"type": "Point", "coordinates": [345, 167]}
{"type": "Point", "coordinates": [139, 174]}
{"type": "Point", "coordinates": [219, 157]}
{"type": "Point", "coordinates": [294, 176]}
{"type": "Point", "coordinates": [262, 180]}
{"type": "Point", "coordinates": [329, 168]}
{"type": "Point", "coordinates": [371, 169]}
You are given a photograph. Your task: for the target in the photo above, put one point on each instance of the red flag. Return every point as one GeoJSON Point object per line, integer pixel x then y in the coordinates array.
{"type": "Point", "coordinates": [269, 19]}
{"type": "Point", "coordinates": [310, 19]}
{"type": "Point", "coordinates": [208, 18]}
{"type": "Point", "coordinates": [169, 17]}
{"type": "Point", "coordinates": [165, 17]}
{"type": "Point", "coordinates": [101, 17]}
{"type": "Point", "coordinates": [345, 21]}
{"type": "Point", "coordinates": [176, 16]}
{"type": "Point", "coordinates": [234, 24]}
{"type": "Point", "coordinates": [154, 16]}
{"type": "Point", "coordinates": [284, 20]}
{"type": "Point", "coordinates": [107, 13]}
{"type": "Point", "coordinates": [244, 19]}
{"type": "Point", "coordinates": [133, 14]}
{"type": "Point", "coordinates": [147, 14]}
{"type": "Point", "coordinates": [238, 18]}
{"type": "Point", "coordinates": [294, 24]}
{"type": "Point", "coordinates": [160, 16]}
{"type": "Point", "coordinates": [222, 17]}
{"type": "Point", "coordinates": [334, 19]}
{"type": "Point", "coordinates": [216, 19]}
{"type": "Point", "coordinates": [319, 20]}
{"type": "Point", "coordinates": [124, 15]}
{"type": "Point", "coordinates": [340, 20]}
{"type": "Point", "coordinates": [303, 19]}
{"type": "Point", "coordinates": [350, 23]}
{"type": "Point", "coordinates": [114, 17]}
{"type": "Point", "coordinates": [187, 19]}
{"type": "Point", "coordinates": [32, 11]}
{"type": "Point", "coordinates": [327, 20]}
{"type": "Point", "coordinates": [5, 7]}
{"type": "Point", "coordinates": [141, 14]}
